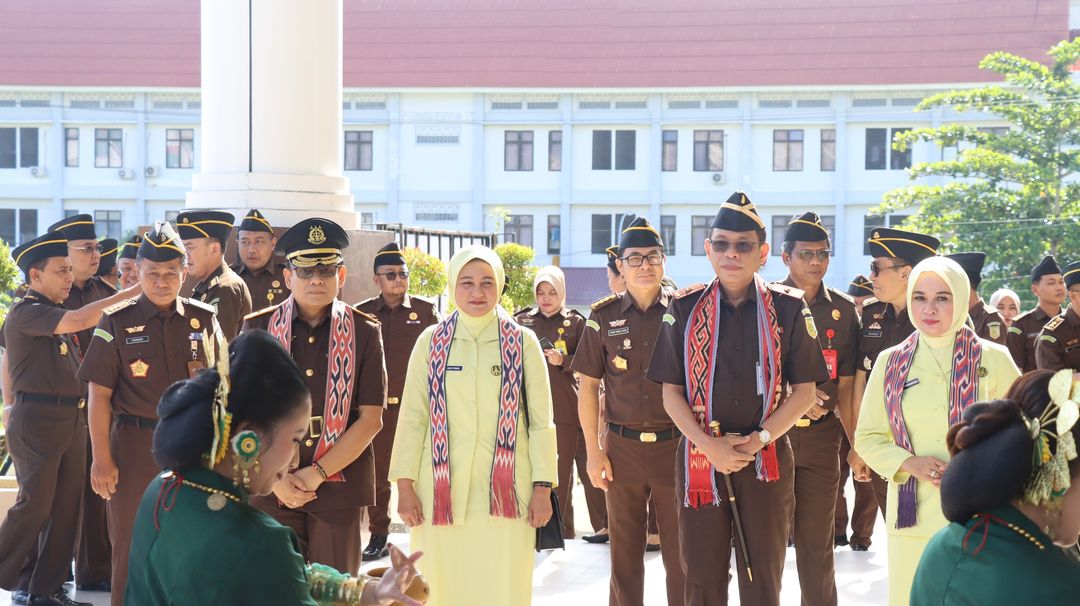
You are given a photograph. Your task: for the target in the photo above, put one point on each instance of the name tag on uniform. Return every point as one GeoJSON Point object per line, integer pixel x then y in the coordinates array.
{"type": "Point", "coordinates": [453, 368]}
{"type": "Point", "coordinates": [137, 340]}
{"type": "Point", "coordinates": [618, 331]}
{"type": "Point", "coordinates": [873, 334]}
{"type": "Point", "coordinates": [911, 383]}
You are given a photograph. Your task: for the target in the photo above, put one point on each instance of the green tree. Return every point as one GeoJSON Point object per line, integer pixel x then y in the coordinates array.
{"type": "Point", "coordinates": [518, 263]}
{"type": "Point", "coordinates": [10, 277]}
{"type": "Point", "coordinates": [427, 274]}
{"type": "Point", "coordinates": [1007, 194]}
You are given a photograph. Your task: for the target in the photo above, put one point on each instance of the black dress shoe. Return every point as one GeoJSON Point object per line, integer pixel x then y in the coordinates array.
{"type": "Point", "coordinates": [62, 598]}
{"type": "Point", "coordinates": [652, 546]}
{"type": "Point", "coordinates": [102, 586]}
{"type": "Point", "coordinates": [859, 547]}
{"type": "Point", "coordinates": [20, 597]}
{"type": "Point", "coordinates": [840, 540]}
{"type": "Point", "coordinates": [595, 538]}
{"type": "Point", "coordinates": [376, 549]}
{"type": "Point", "coordinates": [42, 600]}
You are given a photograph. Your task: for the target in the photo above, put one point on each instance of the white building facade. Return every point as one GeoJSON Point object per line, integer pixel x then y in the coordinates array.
{"type": "Point", "coordinates": [555, 170]}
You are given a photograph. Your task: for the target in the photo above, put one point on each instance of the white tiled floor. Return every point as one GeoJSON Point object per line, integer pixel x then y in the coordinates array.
{"type": "Point", "coordinates": [579, 575]}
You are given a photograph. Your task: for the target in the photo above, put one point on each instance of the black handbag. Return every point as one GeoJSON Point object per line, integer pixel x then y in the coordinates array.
{"type": "Point", "coordinates": [550, 535]}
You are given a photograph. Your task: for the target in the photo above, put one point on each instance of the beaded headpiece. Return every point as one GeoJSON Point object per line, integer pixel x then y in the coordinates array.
{"type": "Point", "coordinates": [1050, 470]}
{"type": "Point", "coordinates": [218, 359]}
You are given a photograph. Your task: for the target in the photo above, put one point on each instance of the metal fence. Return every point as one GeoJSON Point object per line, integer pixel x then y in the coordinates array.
{"type": "Point", "coordinates": [438, 243]}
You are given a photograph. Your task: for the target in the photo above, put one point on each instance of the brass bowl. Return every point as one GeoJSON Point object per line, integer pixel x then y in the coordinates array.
{"type": "Point", "coordinates": [418, 590]}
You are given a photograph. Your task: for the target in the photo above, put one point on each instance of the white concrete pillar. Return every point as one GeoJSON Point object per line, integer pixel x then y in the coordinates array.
{"type": "Point", "coordinates": [271, 111]}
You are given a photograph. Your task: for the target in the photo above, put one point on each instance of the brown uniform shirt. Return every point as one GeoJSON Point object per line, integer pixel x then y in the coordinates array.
{"type": "Point", "coordinates": [95, 289]}
{"type": "Point", "coordinates": [617, 346]}
{"type": "Point", "coordinates": [227, 293]}
{"type": "Point", "coordinates": [405, 323]}
{"type": "Point", "coordinates": [40, 362]}
{"type": "Point", "coordinates": [310, 346]}
{"type": "Point", "coordinates": [838, 334]}
{"type": "Point", "coordinates": [266, 286]}
{"type": "Point", "coordinates": [882, 328]}
{"type": "Point", "coordinates": [988, 323]}
{"type": "Point", "coordinates": [138, 351]}
{"type": "Point", "coordinates": [1058, 345]}
{"type": "Point", "coordinates": [1022, 334]}
{"type": "Point", "coordinates": [736, 400]}
{"type": "Point", "coordinates": [567, 326]}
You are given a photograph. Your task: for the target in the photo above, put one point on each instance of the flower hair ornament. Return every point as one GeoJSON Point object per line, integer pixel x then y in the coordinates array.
{"type": "Point", "coordinates": [1050, 470]}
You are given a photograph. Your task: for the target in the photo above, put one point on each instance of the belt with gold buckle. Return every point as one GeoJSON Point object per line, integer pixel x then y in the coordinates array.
{"type": "Point", "coordinates": [647, 437]}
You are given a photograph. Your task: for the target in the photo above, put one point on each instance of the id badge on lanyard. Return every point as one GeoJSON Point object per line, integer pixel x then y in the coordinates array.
{"type": "Point", "coordinates": [195, 365]}
{"type": "Point", "coordinates": [831, 358]}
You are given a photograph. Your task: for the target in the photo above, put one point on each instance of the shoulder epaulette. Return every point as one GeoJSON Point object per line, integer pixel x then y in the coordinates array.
{"type": "Point", "coordinates": [263, 311]}
{"type": "Point", "coordinates": [574, 312]}
{"type": "Point", "coordinates": [1054, 323]}
{"type": "Point", "coordinates": [599, 303]}
{"type": "Point", "coordinates": [785, 290]}
{"type": "Point", "coordinates": [197, 304]}
{"type": "Point", "coordinates": [365, 302]}
{"type": "Point", "coordinates": [115, 307]}
{"type": "Point", "coordinates": [843, 295]}
{"type": "Point", "coordinates": [689, 290]}
{"type": "Point", "coordinates": [365, 315]}
{"type": "Point", "coordinates": [424, 300]}
{"type": "Point", "coordinates": [523, 310]}
{"type": "Point", "coordinates": [869, 301]}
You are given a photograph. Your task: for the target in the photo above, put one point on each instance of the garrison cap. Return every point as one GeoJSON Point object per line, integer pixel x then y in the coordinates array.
{"type": "Point", "coordinates": [899, 244]}
{"type": "Point", "coordinates": [1047, 267]}
{"type": "Point", "coordinates": [972, 262]}
{"type": "Point", "coordinates": [1072, 274]}
{"type": "Point", "coordinates": [161, 244]}
{"type": "Point", "coordinates": [194, 224]}
{"type": "Point", "coordinates": [109, 249]}
{"type": "Point", "coordinates": [389, 255]}
{"type": "Point", "coordinates": [860, 287]}
{"type": "Point", "coordinates": [130, 249]}
{"type": "Point", "coordinates": [738, 214]}
{"type": "Point", "coordinates": [48, 245]}
{"type": "Point", "coordinates": [639, 234]}
{"type": "Point", "coordinates": [806, 227]}
{"type": "Point", "coordinates": [75, 227]}
{"type": "Point", "coordinates": [255, 221]}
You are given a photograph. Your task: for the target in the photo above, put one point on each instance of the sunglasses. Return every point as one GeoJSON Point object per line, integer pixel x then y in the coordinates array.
{"type": "Point", "coordinates": [875, 270]}
{"type": "Point", "coordinates": [324, 271]}
{"type": "Point", "coordinates": [392, 276]}
{"type": "Point", "coordinates": [636, 260]}
{"type": "Point", "coordinates": [743, 247]}
{"type": "Point", "coordinates": [810, 255]}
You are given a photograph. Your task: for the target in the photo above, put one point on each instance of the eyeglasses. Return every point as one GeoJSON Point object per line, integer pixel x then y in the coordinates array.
{"type": "Point", "coordinates": [325, 271]}
{"type": "Point", "coordinates": [875, 270]}
{"type": "Point", "coordinates": [636, 260]}
{"type": "Point", "coordinates": [392, 276]}
{"type": "Point", "coordinates": [88, 249]}
{"type": "Point", "coordinates": [743, 247]}
{"type": "Point", "coordinates": [810, 255]}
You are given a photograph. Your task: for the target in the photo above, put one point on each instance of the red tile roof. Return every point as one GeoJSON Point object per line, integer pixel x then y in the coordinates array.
{"type": "Point", "coordinates": [556, 43]}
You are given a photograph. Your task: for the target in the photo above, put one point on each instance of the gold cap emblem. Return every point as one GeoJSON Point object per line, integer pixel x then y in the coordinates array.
{"type": "Point", "coordinates": [316, 235]}
{"type": "Point", "coordinates": [876, 235]}
{"type": "Point", "coordinates": [836, 314]}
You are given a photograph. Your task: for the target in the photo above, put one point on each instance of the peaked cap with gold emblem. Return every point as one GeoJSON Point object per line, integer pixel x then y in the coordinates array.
{"type": "Point", "coordinates": [314, 241]}
{"type": "Point", "coordinates": [738, 214]}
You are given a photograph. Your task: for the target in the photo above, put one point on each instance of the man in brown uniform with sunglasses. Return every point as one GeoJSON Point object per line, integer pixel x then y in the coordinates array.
{"type": "Point", "coordinates": [206, 234]}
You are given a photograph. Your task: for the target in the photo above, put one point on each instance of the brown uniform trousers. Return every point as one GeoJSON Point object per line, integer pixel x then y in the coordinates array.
{"type": "Point", "coordinates": [864, 510]}
{"type": "Point", "coordinates": [405, 323]}
{"type": "Point", "coordinates": [266, 286]}
{"type": "Point", "coordinates": [47, 442]}
{"type": "Point", "coordinates": [1058, 345]}
{"type": "Point", "coordinates": [616, 347]}
{"type": "Point", "coordinates": [329, 526]}
{"type": "Point", "coordinates": [138, 351]}
{"type": "Point", "coordinates": [817, 479]}
{"type": "Point", "coordinates": [229, 296]}
{"type": "Point", "coordinates": [93, 549]}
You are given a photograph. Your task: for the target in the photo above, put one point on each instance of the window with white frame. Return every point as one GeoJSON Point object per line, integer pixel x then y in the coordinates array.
{"type": "Point", "coordinates": [624, 149]}
{"type": "Point", "coordinates": [699, 232]}
{"type": "Point", "coordinates": [179, 148]}
{"type": "Point", "coordinates": [828, 149]}
{"type": "Point", "coordinates": [358, 149]}
{"type": "Point", "coordinates": [18, 226]}
{"type": "Point", "coordinates": [71, 147]}
{"type": "Point", "coordinates": [519, 229]}
{"type": "Point", "coordinates": [708, 151]}
{"type": "Point", "coordinates": [555, 150]}
{"type": "Point", "coordinates": [18, 147]}
{"type": "Point", "coordinates": [880, 153]}
{"type": "Point", "coordinates": [554, 234]}
{"type": "Point", "coordinates": [518, 150]}
{"type": "Point", "coordinates": [787, 150]}
{"type": "Point", "coordinates": [108, 148]}
{"type": "Point", "coordinates": [669, 154]}
{"type": "Point", "coordinates": [108, 224]}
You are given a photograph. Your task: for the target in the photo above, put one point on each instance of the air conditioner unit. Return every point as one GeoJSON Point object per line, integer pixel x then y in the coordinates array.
{"type": "Point", "coordinates": [126, 174]}
{"type": "Point", "coordinates": [718, 178]}
{"type": "Point", "coordinates": [38, 171]}
{"type": "Point", "coordinates": [153, 172]}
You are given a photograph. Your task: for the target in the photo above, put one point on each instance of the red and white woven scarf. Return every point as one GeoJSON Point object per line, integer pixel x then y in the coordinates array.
{"type": "Point", "coordinates": [503, 492]}
{"type": "Point", "coordinates": [341, 371]}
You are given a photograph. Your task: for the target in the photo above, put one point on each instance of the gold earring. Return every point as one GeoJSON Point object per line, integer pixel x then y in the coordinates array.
{"type": "Point", "coordinates": [245, 447]}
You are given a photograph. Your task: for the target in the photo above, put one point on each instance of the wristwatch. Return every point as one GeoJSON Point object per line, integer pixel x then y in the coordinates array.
{"type": "Point", "coordinates": [764, 436]}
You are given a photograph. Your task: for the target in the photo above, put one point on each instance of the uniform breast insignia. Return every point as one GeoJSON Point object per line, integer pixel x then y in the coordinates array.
{"type": "Point", "coordinates": [592, 324]}
{"type": "Point", "coordinates": [983, 372]}
{"type": "Point", "coordinates": [103, 335]}
{"type": "Point", "coordinates": [1048, 338]}
{"type": "Point", "coordinates": [669, 319]}
{"type": "Point", "coordinates": [195, 325]}
{"type": "Point", "coordinates": [139, 369]}
{"type": "Point", "coordinates": [626, 344]}
{"type": "Point", "coordinates": [867, 363]}
{"type": "Point", "coordinates": [808, 318]}
{"type": "Point", "coordinates": [566, 323]}
{"type": "Point", "coordinates": [836, 314]}
{"type": "Point", "coordinates": [413, 316]}
{"type": "Point", "coordinates": [63, 348]}
{"type": "Point", "coordinates": [625, 330]}
{"type": "Point", "coordinates": [994, 330]}
{"type": "Point", "coordinates": [134, 329]}
{"type": "Point", "coordinates": [275, 284]}
{"type": "Point", "coordinates": [619, 362]}
{"type": "Point", "coordinates": [616, 323]}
